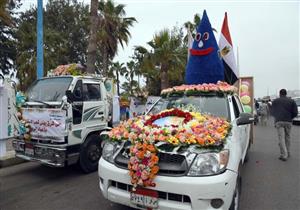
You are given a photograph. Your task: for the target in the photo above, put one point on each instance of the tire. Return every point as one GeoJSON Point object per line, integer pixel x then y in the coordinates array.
{"type": "Point", "coordinates": [235, 203]}
{"type": "Point", "coordinates": [90, 153]}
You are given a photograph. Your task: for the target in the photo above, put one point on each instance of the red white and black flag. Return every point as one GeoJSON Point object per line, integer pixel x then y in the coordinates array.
{"type": "Point", "coordinates": [231, 71]}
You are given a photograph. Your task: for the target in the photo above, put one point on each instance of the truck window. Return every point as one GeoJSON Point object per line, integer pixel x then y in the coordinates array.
{"type": "Point", "coordinates": [49, 89]}
{"type": "Point", "coordinates": [235, 107]}
{"type": "Point", "coordinates": [91, 92]}
{"type": "Point", "coordinates": [78, 91]}
{"type": "Point", "coordinates": [78, 107]}
{"type": "Point", "coordinates": [213, 105]}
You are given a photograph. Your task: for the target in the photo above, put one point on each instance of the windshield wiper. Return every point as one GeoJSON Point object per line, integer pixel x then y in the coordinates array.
{"type": "Point", "coordinates": [42, 102]}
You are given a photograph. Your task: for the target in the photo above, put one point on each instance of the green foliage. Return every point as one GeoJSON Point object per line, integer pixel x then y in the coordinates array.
{"type": "Point", "coordinates": [7, 47]}
{"type": "Point", "coordinates": [166, 60]}
{"type": "Point", "coordinates": [113, 30]}
{"type": "Point", "coordinates": [65, 38]}
{"type": "Point", "coordinates": [7, 35]}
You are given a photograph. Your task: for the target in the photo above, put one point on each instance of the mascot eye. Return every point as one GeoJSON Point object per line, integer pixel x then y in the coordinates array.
{"type": "Point", "coordinates": [206, 36]}
{"type": "Point", "coordinates": [198, 37]}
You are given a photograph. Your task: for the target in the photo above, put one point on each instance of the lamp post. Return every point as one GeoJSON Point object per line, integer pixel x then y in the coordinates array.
{"type": "Point", "coordinates": [39, 44]}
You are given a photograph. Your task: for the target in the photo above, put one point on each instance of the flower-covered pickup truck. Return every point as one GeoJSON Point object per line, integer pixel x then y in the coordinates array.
{"type": "Point", "coordinates": [186, 153]}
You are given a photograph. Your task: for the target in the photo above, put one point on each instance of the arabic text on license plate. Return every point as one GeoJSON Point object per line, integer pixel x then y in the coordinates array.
{"type": "Point", "coordinates": [145, 198]}
{"type": "Point", "coordinates": [29, 150]}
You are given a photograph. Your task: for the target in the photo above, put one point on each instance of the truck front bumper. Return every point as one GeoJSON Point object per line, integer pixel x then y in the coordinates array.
{"type": "Point", "coordinates": [175, 193]}
{"type": "Point", "coordinates": [45, 154]}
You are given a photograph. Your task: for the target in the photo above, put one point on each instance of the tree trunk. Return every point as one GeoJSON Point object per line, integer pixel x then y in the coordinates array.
{"type": "Point", "coordinates": [105, 62]}
{"type": "Point", "coordinates": [92, 46]}
{"type": "Point", "coordinates": [164, 80]}
{"type": "Point", "coordinates": [118, 82]}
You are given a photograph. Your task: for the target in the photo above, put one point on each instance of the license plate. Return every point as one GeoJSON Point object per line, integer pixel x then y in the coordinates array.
{"type": "Point", "coordinates": [144, 198]}
{"type": "Point", "coordinates": [29, 150]}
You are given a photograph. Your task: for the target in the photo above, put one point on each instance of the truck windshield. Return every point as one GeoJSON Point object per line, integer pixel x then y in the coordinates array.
{"type": "Point", "coordinates": [213, 105]}
{"type": "Point", "coordinates": [49, 89]}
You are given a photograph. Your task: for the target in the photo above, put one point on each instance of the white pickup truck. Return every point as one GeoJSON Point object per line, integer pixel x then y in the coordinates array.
{"type": "Point", "coordinates": [189, 176]}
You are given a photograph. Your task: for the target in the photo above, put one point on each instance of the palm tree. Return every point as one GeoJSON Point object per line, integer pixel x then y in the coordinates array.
{"type": "Point", "coordinates": [117, 69]}
{"type": "Point", "coordinates": [113, 30]}
{"type": "Point", "coordinates": [129, 75]}
{"type": "Point", "coordinates": [167, 56]}
{"type": "Point", "coordinates": [92, 46]}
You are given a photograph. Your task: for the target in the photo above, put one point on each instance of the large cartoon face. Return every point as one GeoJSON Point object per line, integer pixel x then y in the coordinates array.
{"type": "Point", "coordinates": [204, 64]}
{"type": "Point", "coordinates": [201, 42]}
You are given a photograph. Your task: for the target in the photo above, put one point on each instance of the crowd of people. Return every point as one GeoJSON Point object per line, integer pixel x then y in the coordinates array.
{"type": "Point", "coordinates": [283, 110]}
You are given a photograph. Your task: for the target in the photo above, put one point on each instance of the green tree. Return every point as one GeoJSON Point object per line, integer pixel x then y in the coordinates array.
{"type": "Point", "coordinates": [117, 69]}
{"type": "Point", "coordinates": [113, 30]}
{"type": "Point", "coordinates": [131, 85]}
{"type": "Point", "coordinates": [65, 38]}
{"type": "Point", "coordinates": [7, 35]}
{"type": "Point", "coordinates": [166, 60]}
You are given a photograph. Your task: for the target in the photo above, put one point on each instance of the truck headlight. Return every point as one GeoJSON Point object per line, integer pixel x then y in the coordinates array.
{"type": "Point", "coordinates": [109, 150]}
{"type": "Point", "coordinates": [209, 163]}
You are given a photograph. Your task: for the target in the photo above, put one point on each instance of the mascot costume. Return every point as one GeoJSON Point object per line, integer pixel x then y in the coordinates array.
{"type": "Point", "coordinates": [205, 63]}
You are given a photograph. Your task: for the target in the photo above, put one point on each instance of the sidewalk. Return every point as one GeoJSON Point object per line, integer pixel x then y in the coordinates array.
{"type": "Point", "coordinates": [9, 158]}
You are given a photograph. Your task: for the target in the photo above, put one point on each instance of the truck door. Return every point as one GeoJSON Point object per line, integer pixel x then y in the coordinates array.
{"type": "Point", "coordinates": [93, 106]}
{"type": "Point", "coordinates": [243, 129]}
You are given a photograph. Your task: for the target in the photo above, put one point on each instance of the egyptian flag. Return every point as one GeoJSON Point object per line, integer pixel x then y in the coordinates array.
{"type": "Point", "coordinates": [231, 72]}
{"type": "Point", "coordinates": [204, 64]}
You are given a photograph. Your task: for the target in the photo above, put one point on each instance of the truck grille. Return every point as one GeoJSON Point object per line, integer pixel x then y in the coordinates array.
{"type": "Point", "coordinates": [161, 194]}
{"type": "Point", "coordinates": [169, 164]}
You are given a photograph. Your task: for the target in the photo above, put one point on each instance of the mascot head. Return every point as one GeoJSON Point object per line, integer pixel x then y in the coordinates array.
{"type": "Point", "coordinates": [204, 64]}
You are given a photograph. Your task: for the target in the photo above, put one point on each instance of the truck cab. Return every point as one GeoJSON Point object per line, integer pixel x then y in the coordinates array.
{"type": "Point", "coordinates": [66, 115]}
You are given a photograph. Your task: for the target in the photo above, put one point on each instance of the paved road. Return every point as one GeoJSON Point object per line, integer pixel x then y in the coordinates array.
{"type": "Point", "coordinates": [268, 183]}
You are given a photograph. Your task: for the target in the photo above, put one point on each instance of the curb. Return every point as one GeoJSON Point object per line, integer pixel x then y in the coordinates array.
{"type": "Point", "coordinates": [10, 159]}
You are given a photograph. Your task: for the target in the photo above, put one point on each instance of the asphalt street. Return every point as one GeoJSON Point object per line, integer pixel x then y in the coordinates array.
{"type": "Point", "coordinates": [268, 183]}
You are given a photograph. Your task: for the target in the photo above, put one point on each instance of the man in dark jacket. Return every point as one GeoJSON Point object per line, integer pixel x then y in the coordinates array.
{"type": "Point", "coordinates": [284, 110]}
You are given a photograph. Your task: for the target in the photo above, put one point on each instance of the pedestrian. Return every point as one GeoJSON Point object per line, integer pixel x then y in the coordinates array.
{"type": "Point", "coordinates": [284, 110]}
{"type": "Point", "coordinates": [263, 110]}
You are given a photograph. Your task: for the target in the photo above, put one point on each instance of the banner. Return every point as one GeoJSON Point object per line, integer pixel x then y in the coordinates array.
{"type": "Point", "coordinates": [46, 124]}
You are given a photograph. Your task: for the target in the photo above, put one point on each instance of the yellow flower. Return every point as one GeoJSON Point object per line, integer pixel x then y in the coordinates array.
{"type": "Point", "coordinates": [173, 140]}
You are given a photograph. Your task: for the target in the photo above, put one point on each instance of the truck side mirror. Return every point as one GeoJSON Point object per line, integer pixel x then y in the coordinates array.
{"type": "Point", "coordinates": [245, 118]}
{"type": "Point", "coordinates": [70, 96]}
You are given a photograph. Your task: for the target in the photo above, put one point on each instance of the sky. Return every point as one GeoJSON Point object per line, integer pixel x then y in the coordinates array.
{"type": "Point", "coordinates": [266, 34]}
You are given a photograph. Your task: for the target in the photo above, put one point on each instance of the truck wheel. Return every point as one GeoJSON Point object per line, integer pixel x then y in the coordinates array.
{"type": "Point", "coordinates": [235, 204]}
{"type": "Point", "coordinates": [90, 154]}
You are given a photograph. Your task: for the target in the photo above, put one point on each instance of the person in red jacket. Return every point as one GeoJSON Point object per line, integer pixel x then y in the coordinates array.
{"type": "Point", "coordinates": [284, 110]}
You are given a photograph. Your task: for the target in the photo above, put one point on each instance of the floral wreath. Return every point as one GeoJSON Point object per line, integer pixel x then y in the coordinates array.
{"type": "Point", "coordinates": [220, 88]}
{"type": "Point", "coordinates": [174, 112]}
{"type": "Point", "coordinates": [196, 129]}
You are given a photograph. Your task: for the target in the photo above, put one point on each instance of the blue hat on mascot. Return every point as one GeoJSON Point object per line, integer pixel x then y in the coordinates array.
{"type": "Point", "coordinates": [204, 64]}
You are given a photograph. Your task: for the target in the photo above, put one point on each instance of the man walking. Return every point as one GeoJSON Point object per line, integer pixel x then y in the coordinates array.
{"type": "Point", "coordinates": [284, 110]}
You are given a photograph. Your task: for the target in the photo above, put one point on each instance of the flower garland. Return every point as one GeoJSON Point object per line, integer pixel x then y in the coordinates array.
{"type": "Point", "coordinates": [175, 112]}
{"type": "Point", "coordinates": [143, 164]}
{"type": "Point", "coordinates": [68, 69]}
{"type": "Point", "coordinates": [219, 88]}
{"type": "Point", "coordinates": [196, 129]}
{"type": "Point", "coordinates": [24, 126]}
